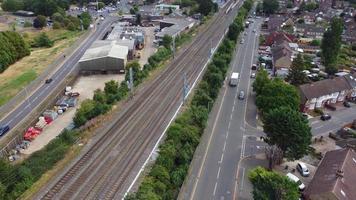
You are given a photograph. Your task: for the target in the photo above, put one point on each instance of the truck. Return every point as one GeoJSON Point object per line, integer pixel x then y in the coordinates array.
{"type": "Point", "coordinates": [234, 79]}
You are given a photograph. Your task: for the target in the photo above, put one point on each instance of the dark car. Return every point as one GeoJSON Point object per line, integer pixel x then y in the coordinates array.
{"type": "Point", "coordinates": [347, 104]}
{"type": "Point", "coordinates": [4, 130]}
{"type": "Point", "coordinates": [48, 81]}
{"type": "Point", "coordinates": [325, 117]}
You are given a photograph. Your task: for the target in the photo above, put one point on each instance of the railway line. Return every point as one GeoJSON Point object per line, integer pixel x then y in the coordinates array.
{"type": "Point", "coordinates": [104, 171]}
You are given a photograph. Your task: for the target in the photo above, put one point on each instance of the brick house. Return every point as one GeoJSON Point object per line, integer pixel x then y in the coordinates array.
{"type": "Point", "coordinates": [328, 91]}
{"type": "Point", "coordinates": [310, 31]}
{"type": "Point", "coordinates": [335, 177]}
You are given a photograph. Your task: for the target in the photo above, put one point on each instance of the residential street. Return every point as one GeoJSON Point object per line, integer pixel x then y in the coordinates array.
{"type": "Point", "coordinates": [213, 175]}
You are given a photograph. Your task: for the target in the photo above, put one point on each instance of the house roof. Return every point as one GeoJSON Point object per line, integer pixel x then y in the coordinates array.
{"type": "Point", "coordinates": [323, 87]}
{"type": "Point", "coordinates": [275, 22]}
{"type": "Point", "coordinates": [351, 79]}
{"type": "Point", "coordinates": [326, 179]}
{"type": "Point", "coordinates": [280, 51]}
{"type": "Point", "coordinates": [310, 28]}
{"type": "Point", "coordinates": [277, 36]}
{"type": "Point", "coordinates": [106, 50]}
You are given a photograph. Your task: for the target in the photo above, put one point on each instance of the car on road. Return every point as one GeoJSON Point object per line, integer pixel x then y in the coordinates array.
{"type": "Point", "coordinates": [242, 95]}
{"type": "Point", "coordinates": [254, 30]}
{"type": "Point", "coordinates": [325, 117]}
{"type": "Point", "coordinates": [4, 130]}
{"type": "Point", "coordinates": [347, 104]}
{"type": "Point", "coordinates": [253, 75]}
{"type": "Point", "coordinates": [242, 41]}
{"type": "Point", "coordinates": [254, 67]}
{"type": "Point", "coordinates": [303, 169]}
{"type": "Point", "coordinates": [48, 81]}
{"type": "Point", "coordinates": [295, 179]}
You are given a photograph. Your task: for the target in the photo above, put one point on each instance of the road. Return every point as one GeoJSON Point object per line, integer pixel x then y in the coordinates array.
{"type": "Point", "coordinates": [108, 165]}
{"type": "Point", "coordinates": [38, 96]}
{"type": "Point", "coordinates": [213, 177]}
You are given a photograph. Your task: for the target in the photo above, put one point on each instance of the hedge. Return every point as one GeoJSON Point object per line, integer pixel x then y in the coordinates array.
{"type": "Point", "coordinates": [12, 48]}
{"type": "Point", "coordinates": [171, 167]}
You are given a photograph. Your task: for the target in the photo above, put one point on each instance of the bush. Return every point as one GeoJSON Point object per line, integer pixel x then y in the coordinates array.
{"type": "Point", "coordinates": [42, 40]}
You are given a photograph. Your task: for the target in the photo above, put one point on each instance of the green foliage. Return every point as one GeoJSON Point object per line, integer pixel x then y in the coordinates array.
{"type": "Point", "coordinates": [205, 7]}
{"type": "Point", "coordinates": [315, 43]}
{"type": "Point", "coordinates": [86, 19]}
{"type": "Point", "coordinates": [15, 179]}
{"type": "Point", "coordinates": [276, 94]}
{"type": "Point", "coordinates": [296, 76]}
{"type": "Point", "coordinates": [311, 6]}
{"type": "Point", "coordinates": [42, 40]}
{"type": "Point", "coordinates": [268, 185]}
{"type": "Point", "coordinates": [101, 5]}
{"type": "Point", "coordinates": [261, 81]}
{"type": "Point", "coordinates": [182, 137]}
{"type": "Point", "coordinates": [40, 21]}
{"type": "Point", "coordinates": [288, 130]}
{"type": "Point", "coordinates": [331, 45]}
{"type": "Point", "coordinates": [167, 41]}
{"type": "Point", "coordinates": [12, 48]}
{"type": "Point", "coordinates": [12, 5]}
{"type": "Point", "coordinates": [270, 6]}
{"type": "Point", "coordinates": [40, 7]}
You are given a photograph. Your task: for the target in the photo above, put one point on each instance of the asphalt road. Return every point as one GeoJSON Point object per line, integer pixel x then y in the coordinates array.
{"type": "Point", "coordinates": [36, 97]}
{"type": "Point", "coordinates": [214, 176]}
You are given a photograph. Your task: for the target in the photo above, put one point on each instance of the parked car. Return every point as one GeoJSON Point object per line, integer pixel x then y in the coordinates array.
{"type": "Point", "coordinates": [242, 41]}
{"type": "Point", "coordinates": [325, 117]}
{"type": "Point", "coordinates": [347, 104]}
{"type": "Point", "coordinates": [48, 81]}
{"type": "Point", "coordinates": [241, 95]}
{"type": "Point", "coordinates": [303, 169]}
{"type": "Point", "coordinates": [254, 30]}
{"type": "Point", "coordinates": [4, 130]}
{"type": "Point", "coordinates": [295, 179]}
{"type": "Point", "coordinates": [253, 75]}
{"type": "Point", "coordinates": [254, 67]}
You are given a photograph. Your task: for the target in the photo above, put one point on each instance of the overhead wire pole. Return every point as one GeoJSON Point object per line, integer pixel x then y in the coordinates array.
{"type": "Point", "coordinates": [185, 87]}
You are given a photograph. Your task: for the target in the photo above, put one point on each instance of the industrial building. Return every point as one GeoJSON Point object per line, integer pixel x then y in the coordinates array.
{"type": "Point", "coordinates": [174, 26]}
{"type": "Point", "coordinates": [122, 32]}
{"type": "Point", "coordinates": [104, 57]}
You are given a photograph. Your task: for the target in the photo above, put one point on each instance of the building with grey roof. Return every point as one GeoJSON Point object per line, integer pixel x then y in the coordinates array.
{"type": "Point", "coordinates": [104, 56]}
{"type": "Point", "coordinates": [121, 32]}
{"type": "Point", "coordinates": [174, 26]}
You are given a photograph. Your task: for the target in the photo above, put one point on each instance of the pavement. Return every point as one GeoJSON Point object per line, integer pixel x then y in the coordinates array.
{"type": "Point", "coordinates": [212, 171]}
{"type": "Point", "coordinates": [37, 97]}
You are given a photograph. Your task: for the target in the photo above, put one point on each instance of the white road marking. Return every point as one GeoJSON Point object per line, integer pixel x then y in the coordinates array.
{"type": "Point", "coordinates": [222, 158]}
{"type": "Point", "coordinates": [224, 146]}
{"type": "Point", "coordinates": [243, 179]}
{"type": "Point", "coordinates": [314, 122]}
{"type": "Point", "coordinates": [318, 127]}
{"type": "Point", "coordinates": [217, 176]}
{"type": "Point", "coordinates": [216, 184]}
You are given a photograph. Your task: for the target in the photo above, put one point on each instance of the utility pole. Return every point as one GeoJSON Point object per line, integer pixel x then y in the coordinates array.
{"type": "Point", "coordinates": [185, 87]}
{"type": "Point", "coordinates": [174, 46]}
{"type": "Point", "coordinates": [211, 48]}
{"type": "Point", "coordinates": [131, 80]}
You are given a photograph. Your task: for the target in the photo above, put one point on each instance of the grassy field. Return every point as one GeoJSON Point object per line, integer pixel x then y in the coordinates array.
{"type": "Point", "coordinates": [27, 69]}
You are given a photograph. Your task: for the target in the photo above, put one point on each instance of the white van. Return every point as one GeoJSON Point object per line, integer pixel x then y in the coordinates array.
{"type": "Point", "coordinates": [234, 79]}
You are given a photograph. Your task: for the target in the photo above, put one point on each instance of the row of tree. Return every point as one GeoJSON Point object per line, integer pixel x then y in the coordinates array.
{"type": "Point", "coordinates": [285, 127]}
{"type": "Point", "coordinates": [205, 7]}
{"type": "Point", "coordinates": [171, 167]}
{"type": "Point", "coordinates": [12, 48]}
{"type": "Point", "coordinates": [16, 179]}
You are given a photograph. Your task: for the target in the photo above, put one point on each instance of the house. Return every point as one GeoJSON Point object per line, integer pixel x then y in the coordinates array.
{"type": "Point", "coordinates": [328, 91]}
{"type": "Point", "coordinates": [278, 36]}
{"type": "Point", "coordinates": [310, 31]}
{"type": "Point", "coordinates": [325, 5]}
{"type": "Point", "coordinates": [275, 23]}
{"type": "Point", "coordinates": [282, 56]}
{"type": "Point", "coordinates": [351, 79]}
{"type": "Point", "coordinates": [335, 177]}
{"type": "Point", "coordinates": [349, 35]}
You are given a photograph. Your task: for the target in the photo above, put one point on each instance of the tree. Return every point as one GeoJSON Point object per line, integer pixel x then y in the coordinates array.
{"type": "Point", "coordinates": [276, 94]}
{"type": "Point", "coordinates": [268, 185]}
{"type": "Point", "coordinates": [12, 5]}
{"type": "Point", "coordinates": [206, 7]}
{"type": "Point", "coordinates": [101, 5]}
{"type": "Point", "coordinates": [288, 130]}
{"type": "Point", "coordinates": [42, 40]}
{"type": "Point", "coordinates": [86, 19]}
{"type": "Point", "coordinates": [111, 87]}
{"type": "Point", "coordinates": [270, 6]}
{"type": "Point", "coordinates": [138, 19]}
{"type": "Point", "coordinates": [315, 43]}
{"type": "Point", "coordinates": [331, 44]}
{"type": "Point", "coordinates": [261, 81]}
{"type": "Point", "coordinates": [40, 21]}
{"type": "Point", "coordinates": [167, 41]}
{"type": "Point", "coordinates": [57, 17]}
{"type": "Point", "coordinates": [296, 76]}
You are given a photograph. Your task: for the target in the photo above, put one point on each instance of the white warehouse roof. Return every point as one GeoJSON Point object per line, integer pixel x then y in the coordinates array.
{"type": "Point", "coordinates": [109, 50]}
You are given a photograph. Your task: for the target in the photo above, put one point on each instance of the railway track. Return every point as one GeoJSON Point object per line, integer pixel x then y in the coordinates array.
{"type": "Point", "coordinates": [102, 172]}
